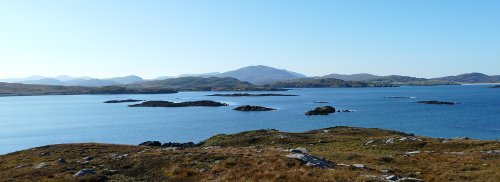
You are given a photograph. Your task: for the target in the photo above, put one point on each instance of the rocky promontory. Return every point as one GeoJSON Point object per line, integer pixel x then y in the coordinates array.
{"type": "Point", "coordinates": [206, 103]}
{"type": "Point", "coordinates": [253, 108]}
{"type": "Point", "coordinates": [323, 110]}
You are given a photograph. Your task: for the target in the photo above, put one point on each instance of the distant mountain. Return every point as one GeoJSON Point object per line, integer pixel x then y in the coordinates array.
{"type": "Point", "coordinates": [163, 77]}
{"type": "Point", "coordinates": [261, 74]}
{"type": "Point", "coordinates": [67, 78]}
{"type": "Point", "coordinates": [324, 83]}
{"type": "Point", "coordinates": [126, 80]}
{"type": "Point", "coordinates": [43, 81]}
{"type": "Point", "coordinates": [206, 75]}
{"type": "Point", "coordinates": [201, 84]}
{"type": "Point", "coordinates": [90, 82]}
{"type": "Point", "coordinates": [13, 80]}
{"type": "Point", "coordinates": [472, 78]}
{"type": "Point", "coordinates": [353, 77]}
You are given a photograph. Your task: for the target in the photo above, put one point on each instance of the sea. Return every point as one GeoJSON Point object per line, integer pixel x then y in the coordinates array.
{"type": "Point", "coordinates": [31, 121]}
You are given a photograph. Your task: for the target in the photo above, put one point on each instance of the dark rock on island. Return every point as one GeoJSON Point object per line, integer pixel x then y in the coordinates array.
{"type": "Point", "coordinates": [436, 102]}
{"type": "Point", "coordinates": [249, 95]}
{"type": "Point", "coordinates": [207, 103]}
{"type": "Point", "coordinates": [121, 101]}
{"type": "Point", "coordinates": [179, 145]}
{"type": "Point", "coordinates": [169, 144]}
{"type": "Point", "coordinates": [400, 97]}
{"type": "Point", "coordinates": [496, 86]}
{"type": "Point", "coordinates": [321, 102]}
{"type": "Point", "coordinates": [253, 108]}
{"type": "Point", "coordinates": [323, 110]}
{"type": "Point", "coordinates": [151, 144]}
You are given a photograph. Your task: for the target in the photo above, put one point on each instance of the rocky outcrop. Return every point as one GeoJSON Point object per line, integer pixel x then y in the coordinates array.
{"type": "Point", "coordinates": [206, 103]}
{"type": "Point", "coordinates": [323, 110]}
{"type": "Point", "coordinates": [249, 95]}
{"type": "Point", "coordinates": [436, 102]}
{"type": "Point", "coordinates": [252, 108]}
{"type": "Point", "coordinates": [122, 101]}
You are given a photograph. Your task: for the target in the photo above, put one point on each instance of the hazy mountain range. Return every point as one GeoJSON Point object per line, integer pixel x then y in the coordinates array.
{"type": "Point", "coordinates": [260, 75]}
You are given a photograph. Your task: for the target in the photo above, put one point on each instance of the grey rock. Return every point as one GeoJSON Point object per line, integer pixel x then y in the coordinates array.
{"type": "Point", "coordinates": [41, 165]}
{"type": "Point", "coordinates": [301, 150]}
{"type": "Point", "coordinates": [84, 172]}
{"type": "Point", "coordinates": [61, 161]}
{"type": "Point", "coordinates": [311, 160]}
{"type": "Point", "coordinates": [359, 166]}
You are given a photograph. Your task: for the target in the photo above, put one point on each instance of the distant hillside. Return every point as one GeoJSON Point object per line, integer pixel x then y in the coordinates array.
{"type": "Point", "coordinates": [472, 78]}
{"type": "Point", "coordinates": [201, 84]}
{"type": "Point", "coordinates": [324, 83]}
{"type": "Point", "coordinates": [65, 80]}
{"type": "Point", "coordinates": [409, 81]}
{"type": "Point", "coordinates": [125, 80]}
{"type": "Point", "coordinates": [353, 77]}
{"type": "Point", "coordinates": [261, 74]}
{"type": "Point", "coordinates": [206, 75]}
{"type": "Point", "coordinates": [18, 89]}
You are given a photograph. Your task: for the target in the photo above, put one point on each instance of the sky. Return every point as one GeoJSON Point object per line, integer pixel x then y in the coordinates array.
{"type": "Point", "coordinates": [424, 38]}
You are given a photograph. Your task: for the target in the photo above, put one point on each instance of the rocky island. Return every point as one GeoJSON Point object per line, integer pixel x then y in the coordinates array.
{"type": "Point", "coordinates": [437, 102]}
{"type": "Point", "coordinates": [323, 110]}
{"type": "Point", "coordinates": [207, 103]}
{"type": "Point", "coordinates": [330, 154]}
{"type": "Point", "coordinates": [249, 95]}
{"type": "Point", "coordinates": [496, 86]}
{"type": "Point", "coordinates": [121, 101]}
{"type": "Point", "coordinates": [253, 108]}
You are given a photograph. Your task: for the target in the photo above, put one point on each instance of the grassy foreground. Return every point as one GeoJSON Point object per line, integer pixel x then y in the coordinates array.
{"type": "Point", "coordinates": [262, 156]}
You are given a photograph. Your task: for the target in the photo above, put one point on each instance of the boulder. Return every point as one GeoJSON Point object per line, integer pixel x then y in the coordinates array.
{"type": "Point", "coordinates": [252, 108]}
{"type": "Point", "coordinates": [323, 110]}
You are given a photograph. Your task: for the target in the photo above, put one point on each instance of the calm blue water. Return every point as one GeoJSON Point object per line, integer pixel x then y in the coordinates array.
{"type": "Point", "coordinates": [27, 122]}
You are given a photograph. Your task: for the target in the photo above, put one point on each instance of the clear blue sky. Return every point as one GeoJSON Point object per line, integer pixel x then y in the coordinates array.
{"type": "Point", "coordinates": [105, 38]}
